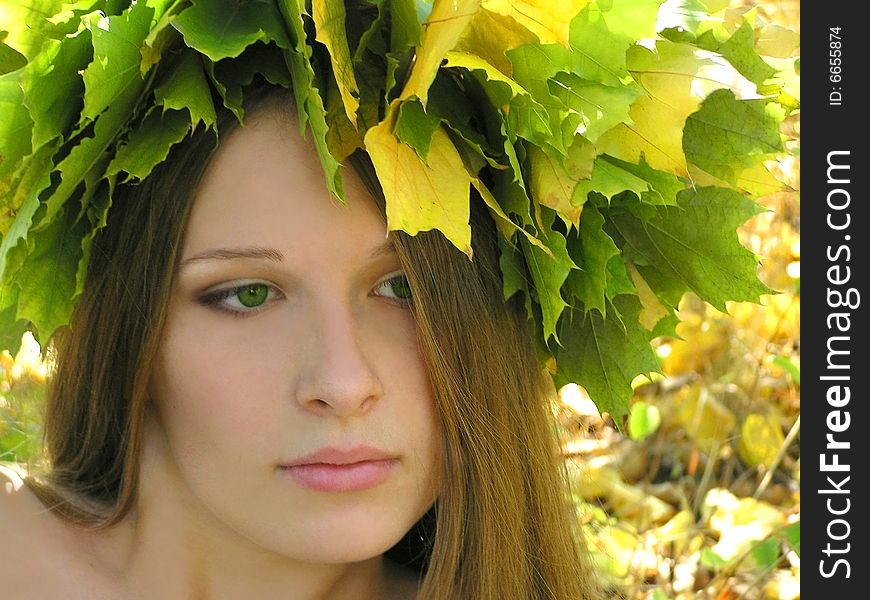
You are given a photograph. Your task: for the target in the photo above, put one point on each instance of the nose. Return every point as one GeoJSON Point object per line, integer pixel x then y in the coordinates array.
{"type": "Point", "coordinates": [337, 376]}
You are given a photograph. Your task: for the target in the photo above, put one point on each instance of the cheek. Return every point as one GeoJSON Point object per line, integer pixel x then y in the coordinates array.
{"type": "Point", "coordinates": [211, 395]}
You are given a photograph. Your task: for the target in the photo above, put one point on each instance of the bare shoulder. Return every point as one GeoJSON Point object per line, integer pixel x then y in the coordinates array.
{"type": "Point", "coordinates": [19, 547]}
{"type": "Point", "coordinates": [15, 508]}
{"type": "Point", "coordinates": [38, 554]}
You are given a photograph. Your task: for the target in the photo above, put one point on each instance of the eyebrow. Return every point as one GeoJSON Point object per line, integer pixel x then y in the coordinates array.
{"type": "Point", "coordinates": [271, 254]}
{"type": "Point", "coordinates": [234, 253]}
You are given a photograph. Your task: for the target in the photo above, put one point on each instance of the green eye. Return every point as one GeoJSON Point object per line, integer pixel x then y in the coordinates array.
{"type": "Point", "coordinates": [251, 296]}
{"type": "Point", "coordinates": [396, 288]}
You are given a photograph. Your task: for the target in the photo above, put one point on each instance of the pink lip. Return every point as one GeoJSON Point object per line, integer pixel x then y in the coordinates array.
{"type": "Point", "coordinates": [341, 470]}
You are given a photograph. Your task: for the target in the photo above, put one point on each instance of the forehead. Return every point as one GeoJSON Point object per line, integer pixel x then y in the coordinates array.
{"type": "Point", "coordinates": [265, 186]}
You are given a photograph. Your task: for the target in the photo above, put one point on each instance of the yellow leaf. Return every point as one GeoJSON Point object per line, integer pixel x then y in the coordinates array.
{"type": "Point", "coordinates": [441, 32]}
{"type": "Point", "coordinates": [740, 523]}
{"type": "Point", "coordinates": [490, 35]}
{"type": "Point", "coordinates": [422, 195]}
{"type": "Point", "coordinates": [761, 437]}
{"type": "Point", "coordinates": [757, 180]}
{"type": "Point", "coordinates": [549, 20]}
{"type": "Point", "coordinates": [705, 419]}
{"type": "Point", "coordinates": [653, 310]}
{"type": "Point", "coordinates": [677, 531]}
{"type": "Point", "coordinates": [676, 79]}
{"type": "Point", "coordinates": [329, 18]}
{"type": "Point", "coordinates": [656, 135]}
{"type": "Point", "coordinates": [551, 185]}
{"type": "Point", "coordinates": [775, 40]}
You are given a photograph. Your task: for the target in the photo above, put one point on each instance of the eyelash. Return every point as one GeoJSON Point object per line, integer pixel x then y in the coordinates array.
{"type": "Point", "coordinates": [216, 298]}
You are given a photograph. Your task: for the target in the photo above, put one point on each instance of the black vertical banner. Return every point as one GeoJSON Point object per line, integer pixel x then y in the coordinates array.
{"type": "Point", "coordinates": [834, 232]}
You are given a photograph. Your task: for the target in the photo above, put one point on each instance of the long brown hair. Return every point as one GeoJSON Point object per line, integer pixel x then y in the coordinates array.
{"type": "Point", "coordinates": [502, 526]}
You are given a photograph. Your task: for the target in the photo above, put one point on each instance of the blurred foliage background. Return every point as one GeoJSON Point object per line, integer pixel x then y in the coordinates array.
{"type": "Point", "coordinates": [697, 495]}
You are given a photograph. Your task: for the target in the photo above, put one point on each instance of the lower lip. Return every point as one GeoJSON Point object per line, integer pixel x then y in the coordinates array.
{"type": "Point", "coordinates": [324, 477]}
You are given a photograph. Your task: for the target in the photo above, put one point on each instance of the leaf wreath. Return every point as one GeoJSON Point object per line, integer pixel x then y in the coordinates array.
{"type": "Point", "coordinates": [617, 143]}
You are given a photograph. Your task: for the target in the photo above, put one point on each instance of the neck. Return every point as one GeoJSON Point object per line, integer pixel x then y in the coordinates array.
{"type": "Point", "coordinates": [172, 546]}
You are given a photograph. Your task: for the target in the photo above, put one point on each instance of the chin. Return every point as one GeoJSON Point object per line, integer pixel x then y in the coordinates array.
{"type": "Point", "coordinates": [350, 546]}
{"type": "Point", "coordinates": [337, 538]}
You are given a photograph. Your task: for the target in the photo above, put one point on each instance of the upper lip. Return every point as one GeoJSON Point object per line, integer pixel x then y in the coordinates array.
{"type": "Point", "coordinates": [333, 455]}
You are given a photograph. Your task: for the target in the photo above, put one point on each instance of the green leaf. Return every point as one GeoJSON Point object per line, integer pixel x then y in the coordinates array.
{"type": "Point", "coordinates": [549, 272]}
{"type": "Point", "coordinates": [766, 554]}
{"type": "Point", "coordinates": [161, 36]}
{"type": "Point", "coordinates": [525, 117]}
{"type": "Point", "coordinates": [792, 535]}
{"type": "Point", "coordinates": [618, 280]}
{"type": "Point", "coordinates": [10, 58]}
{"type": "Point", "coordinates": [592, 250]}
{"type": "Point", "coordinates": [309, 102]}
{"type": "Point", "coordinates": [87, 160]}
{"type": "Point", "coordinates": [186, 87]}
{"type": "Point", "coordinates": [405, 30]}
{"type": "Point", "coordinates": [329, 21]}
{"type": "Point", "coordinates": [513, 272]}
{"type": "Point", "coordinates": [727, 136]}
{"type": "Point", "coordinates": [47, 280]}
{"type": "Point", "coordinates": [608, 179]}
{"type": "Point", "coordinates": [148, 145]}
{"type": "Point", "coordinates": [600, 37]}
{"type": "Point", "coordinates": [507, 227]}
{"type": "Point", "coordinates": [15, 130]}
{"type": "Point", "coordinates": [604, 354]}
{"type": "Point", "coordinates": [231, 75]}
{"type": "Point", "coordinates": [644, 420]}
{"type": "Point", "coordinates": [696, 243]}
{"type": "Point", "coordinates": [600, 107]}
{"type": "Point", "coordinates": [24, 202]}
{"type": "Point", "coordinates": [223, 30]}
{"type": "Point", "coordinates": [711, 560]}
{"type": "Point", "coordinates": [415, 126]}
{"type": "Point", "coordinates": [675, 79]}
{"type": "Point", "coordinates": [740, 51]}
{"type": "Point", "coordinates": [790, 368]}
{"type": "Point", "coordinates": [663, 187]}
{"type": "Point", "coordinates": [27, 26]}
{"type": "Point", "coordinates": [11, 327]}
{"type": "Point", "coordinates": [51, 80]}
{"type": "Point", "coordinates": [115, 68]}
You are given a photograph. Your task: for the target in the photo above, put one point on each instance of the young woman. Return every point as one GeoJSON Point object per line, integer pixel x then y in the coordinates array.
{"type": "Point", "coordinates": [263, 394]}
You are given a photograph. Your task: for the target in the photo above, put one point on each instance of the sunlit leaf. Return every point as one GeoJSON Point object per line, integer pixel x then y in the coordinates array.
{"type": "Point", "coordinates": [441, 31]}
{"type": "Point", "coordinates": [727, 136]}
{"type": "Point", "coordinates": [549, 20]}
{"type": "Point", "coordinates": [329, 21]}
{"type": "Point", "coordinates": [220, 30]}
{"type": "Point", "coordinates": [422, 195]}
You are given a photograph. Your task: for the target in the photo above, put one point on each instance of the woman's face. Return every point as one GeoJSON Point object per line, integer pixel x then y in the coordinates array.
{"type": "Point", "coordinates": [289, 382]}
